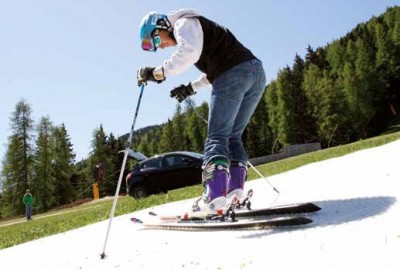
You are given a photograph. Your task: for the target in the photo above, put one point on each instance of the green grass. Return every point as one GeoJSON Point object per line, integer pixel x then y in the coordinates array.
{"type": "Point", "coordinates": [13, 232]}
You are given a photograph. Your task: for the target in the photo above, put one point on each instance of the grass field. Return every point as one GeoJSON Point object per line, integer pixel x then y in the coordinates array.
{"type": "Point", "coordinates": [17, 231]}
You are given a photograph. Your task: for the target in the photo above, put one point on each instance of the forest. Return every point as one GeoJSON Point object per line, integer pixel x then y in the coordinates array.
{"type": "Point", "coordinates": [339, 93]}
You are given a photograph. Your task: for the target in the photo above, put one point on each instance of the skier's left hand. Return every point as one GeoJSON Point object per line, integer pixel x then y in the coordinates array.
{"type": "Point", "coordinates": [182, 92]}
{"type": "Point", "coordinates": [145, 74]}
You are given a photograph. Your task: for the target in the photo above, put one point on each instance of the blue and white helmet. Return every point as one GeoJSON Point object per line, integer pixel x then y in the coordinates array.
{"type": "Point", "coordinates": [149, 24]}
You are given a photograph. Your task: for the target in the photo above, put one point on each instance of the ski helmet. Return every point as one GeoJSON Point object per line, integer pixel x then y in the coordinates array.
{"type": "Point", "coordinates": [149, 24]}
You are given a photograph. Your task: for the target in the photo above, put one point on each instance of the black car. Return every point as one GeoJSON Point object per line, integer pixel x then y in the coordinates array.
{"type": "Point", "coordinates": [165, 172]}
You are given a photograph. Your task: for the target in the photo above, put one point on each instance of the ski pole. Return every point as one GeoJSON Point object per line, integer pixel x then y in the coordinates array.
{"type": "Point", "coordinates": [121, 174]}
{"type": "Point", "coordinates": [263, 177]}
{"type": "Point", "coordinates": [251, 165]}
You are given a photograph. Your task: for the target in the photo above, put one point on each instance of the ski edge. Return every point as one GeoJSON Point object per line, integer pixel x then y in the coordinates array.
{"type": "Point", "coordinates": [203, 225]}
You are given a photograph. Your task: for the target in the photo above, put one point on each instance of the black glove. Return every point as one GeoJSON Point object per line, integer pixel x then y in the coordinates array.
{"type": "Point", "coordinates": [182, 92]}
{"type": "Point", "coordinates": [145, 74]}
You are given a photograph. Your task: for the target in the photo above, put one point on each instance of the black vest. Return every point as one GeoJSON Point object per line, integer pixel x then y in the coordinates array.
{"type": "Point", "coordinates": [221, 50]}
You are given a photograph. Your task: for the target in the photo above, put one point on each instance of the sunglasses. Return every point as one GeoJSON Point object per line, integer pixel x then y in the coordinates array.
{"type": "Point", "coordinates": [151, 44]}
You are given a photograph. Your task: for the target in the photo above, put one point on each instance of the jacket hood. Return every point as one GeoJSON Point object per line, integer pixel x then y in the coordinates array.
{"type": "Point", "coordinates": [181, 13]}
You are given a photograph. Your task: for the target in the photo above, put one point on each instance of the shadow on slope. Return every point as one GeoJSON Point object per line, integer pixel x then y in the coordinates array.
{"type": "Point", "coordinates": [336, 212]}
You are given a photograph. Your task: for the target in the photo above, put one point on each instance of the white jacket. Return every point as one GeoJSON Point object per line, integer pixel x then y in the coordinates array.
{"type": "Point", "coordinates": [189, 37]}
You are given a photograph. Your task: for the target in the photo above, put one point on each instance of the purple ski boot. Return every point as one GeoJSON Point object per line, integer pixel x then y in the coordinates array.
{"type": "Point", "coordinates": [238, 175]}
{"type": "Point", "coordinates": [215, 177]}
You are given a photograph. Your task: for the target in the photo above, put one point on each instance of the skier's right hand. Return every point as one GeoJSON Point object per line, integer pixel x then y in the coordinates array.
{"type": "Point", "coordinates": [145, 74]}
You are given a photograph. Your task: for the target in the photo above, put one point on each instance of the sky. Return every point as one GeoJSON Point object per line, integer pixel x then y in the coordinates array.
{"type": "Point", "coordinates": [75, 61]}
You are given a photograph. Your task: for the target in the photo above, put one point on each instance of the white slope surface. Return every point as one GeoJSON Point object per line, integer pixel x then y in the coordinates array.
{"type": "Point", "coordinates": [357, 228]}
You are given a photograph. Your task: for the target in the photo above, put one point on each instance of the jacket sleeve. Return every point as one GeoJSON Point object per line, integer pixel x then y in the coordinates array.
{"type": "Point", "coordinates": [189, 37]}
{"type": "Point", "coordinates": [201, 82]}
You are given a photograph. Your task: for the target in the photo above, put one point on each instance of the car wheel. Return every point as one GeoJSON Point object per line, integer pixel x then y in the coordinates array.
{"type": "Point", "coordinates": [139, 192]}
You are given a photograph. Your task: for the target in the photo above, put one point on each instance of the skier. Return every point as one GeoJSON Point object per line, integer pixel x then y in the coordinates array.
{"type": "Point", "coordinates": [237, 79]}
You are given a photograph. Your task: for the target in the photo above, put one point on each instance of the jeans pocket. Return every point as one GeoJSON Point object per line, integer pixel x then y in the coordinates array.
{"type": "Point", "coordinates": [234, 83]}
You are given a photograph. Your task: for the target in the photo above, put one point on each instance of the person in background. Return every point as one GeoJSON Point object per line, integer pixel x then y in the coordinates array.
{"type": "Point", "coordinates": [28, 201]}
{"type": "Point", "coordinates": [237, 79]}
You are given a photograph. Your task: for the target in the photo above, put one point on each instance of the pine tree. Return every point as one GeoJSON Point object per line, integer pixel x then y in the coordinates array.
{"type": "Point", "coordinates": [82, 179]}
{"type": "Point", "coordinates": [154, 142]}
{"type": "Point", "coordinates": [178, 130]}
{"type": "Point", "coordinates": [271, 101]}
{"type": "Point", "coordinates": [395, 33]}
{"type": "Point", "coordinates": [195, 128]}
{"type": "Point", "coordinates": [18, 159]}
{"type": "Point", "coordinates": [316, 57]}
{"type": "Point", "coordinates": [63, 165]}
{"type": "Point", "coordinates": [312, 76]}
{"type": "Point", "coordinates": [11, 176]}
{"type": "Point", "coordinates": [257, 137]}
{"type": "Point", "coordinates": [203, 111]}
{"type": "Point", "coordinates": [384, 52]}
{"type": "Point", "coordinates": [100, 155]}
{"type": "Point", "coordinates": [167, 142]}
{"type": "Point", "coordinates": [43, 181]}
{"type": "Point", "coordinates": [367, 83]}
{"type": "Point", "coordinates": [305, 127]}
{"type": "Point", "coordinates": [287, 127]}
{"type": "Point", "coordinates": [395, 36]}
{"type": "Point", "coordinates": [333, 122]}
{"type": "Point", "coordinates": [335, 56]}
{"type": "Point", "coordinates": [144, 146]}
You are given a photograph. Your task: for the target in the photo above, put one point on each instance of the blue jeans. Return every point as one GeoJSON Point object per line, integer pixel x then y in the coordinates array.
{"type": "Point", "coordinates": [28, 212]}
{"type": "Point", "coordinates": [234, 98]}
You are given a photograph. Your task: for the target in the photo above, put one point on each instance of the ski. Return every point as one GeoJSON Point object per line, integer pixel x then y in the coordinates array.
{"type": "Point", "coordinates": [288, 209]}
{"type": "Point", "coordinates": [223, 224]}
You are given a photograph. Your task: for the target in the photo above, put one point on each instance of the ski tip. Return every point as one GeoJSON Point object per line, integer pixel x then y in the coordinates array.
{"type": "Point", "coordinates": [136, 220]}
{"type": "Point", "coordinates": [313, 207]}
{"type": "Point", "coordinates": [304, 220]}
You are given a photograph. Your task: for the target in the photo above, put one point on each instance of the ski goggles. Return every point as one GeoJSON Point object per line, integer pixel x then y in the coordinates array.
{"type": "Point", "coordinates": [151, 44]}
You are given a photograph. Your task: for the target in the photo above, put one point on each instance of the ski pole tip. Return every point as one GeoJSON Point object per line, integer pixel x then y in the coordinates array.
{"type": "Point", "coordinates": [103, 256]}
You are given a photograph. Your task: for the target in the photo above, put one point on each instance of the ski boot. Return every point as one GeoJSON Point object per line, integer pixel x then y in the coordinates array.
{"type": "Point", "coordinates": [215, 177]}
{"type": "Point", "coordinates": [238, 175]}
